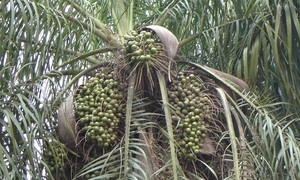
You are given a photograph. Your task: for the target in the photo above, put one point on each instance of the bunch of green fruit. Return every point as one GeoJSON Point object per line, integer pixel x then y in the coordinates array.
{"type": "Point", "coordinates": [55, 156]}
{"type": "Point", "coordinates": [99, 107]}
{"type": "Point", "coordinates": [191, 110]}
{"type": "Point", "coordinates": [92, 174]}
{"type": "Point", "coordinates": [111, 170]}
{"type": "Point", "coordinates": [142, 46]}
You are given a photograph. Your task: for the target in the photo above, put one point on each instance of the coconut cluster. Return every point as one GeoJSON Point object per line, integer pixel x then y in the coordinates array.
{"type": "Point", "coordinates": [99, 107]}
{"type": "Point", "coordinates": [142, 46]}
{"type": "Point", "coordinates": [191, 110]}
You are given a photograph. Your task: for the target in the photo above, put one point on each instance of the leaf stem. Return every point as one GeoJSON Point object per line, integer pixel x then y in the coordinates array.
{"type": "Point", "coordinates": [120, 16]}
{"type": "Point", "coordinates": [163, 89]}
{"type": "Point", "coordinates": [97, 22]}
{"type": "Point", "coordinates": [130, 96]}
{"type": "Point", "coordinates": [90, 53]}
{"type": "Point", "coordinates": [189, 39]}
{"type": "Point", "coordinates": [109, 38]}
{"type": "Point", "coordinates": [130, 16]}
{"type": "Point", "coordinates": [166, 15]}
{"type": "Point", "coordinates": [231, 132]}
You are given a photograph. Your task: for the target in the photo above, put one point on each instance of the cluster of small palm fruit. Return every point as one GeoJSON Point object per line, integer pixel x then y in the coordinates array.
{"type": "Point", "coordinates": [142, 46]}
{"type": "Point", "coordinates": [99, 107]}
{"type": "Point", "coordinates": [112, 171]}
{"type": "Point", "coordinates": [190, 112]}
{"type": "Point", "coordinates": [55, 156]}
{"type": "Point", "coordinates": [92, 174]}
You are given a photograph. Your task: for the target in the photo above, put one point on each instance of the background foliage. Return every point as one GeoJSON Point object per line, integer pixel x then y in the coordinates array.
{"type": "Point", "coordinates": [46, 45]}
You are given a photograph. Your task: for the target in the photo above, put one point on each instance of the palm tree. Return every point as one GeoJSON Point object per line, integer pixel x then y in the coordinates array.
{"type": "Point", "coordinates": [51, 50]}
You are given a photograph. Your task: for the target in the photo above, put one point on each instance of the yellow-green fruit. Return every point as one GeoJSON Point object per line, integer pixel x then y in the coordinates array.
{"type": "Point", "coordinates": [99, 107]}
{"type": "Point", "coordinates": [141, 45]}
{"type": "Point", "coordinates": [187, 95]}
{"type": "Point", "coordinates": [55, 156]}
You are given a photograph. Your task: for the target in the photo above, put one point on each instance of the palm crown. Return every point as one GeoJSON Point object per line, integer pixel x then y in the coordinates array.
{"type": "Point", "coordinates": [56, 54]}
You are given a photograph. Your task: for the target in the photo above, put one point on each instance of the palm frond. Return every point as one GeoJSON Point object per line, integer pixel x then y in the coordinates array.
{"type": "Point", "coordinates": [274, 133]}
{"type": "Point", "coordinates": [251, 42]}
{"type": "Point", "coordinates": [264, 135]}
{"type": "Point", "coordinates": [19, 126]}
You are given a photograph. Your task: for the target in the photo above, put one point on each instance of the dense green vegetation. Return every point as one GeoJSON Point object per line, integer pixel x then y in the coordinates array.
{"type": "Point", "coordinates": [50, 48]}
